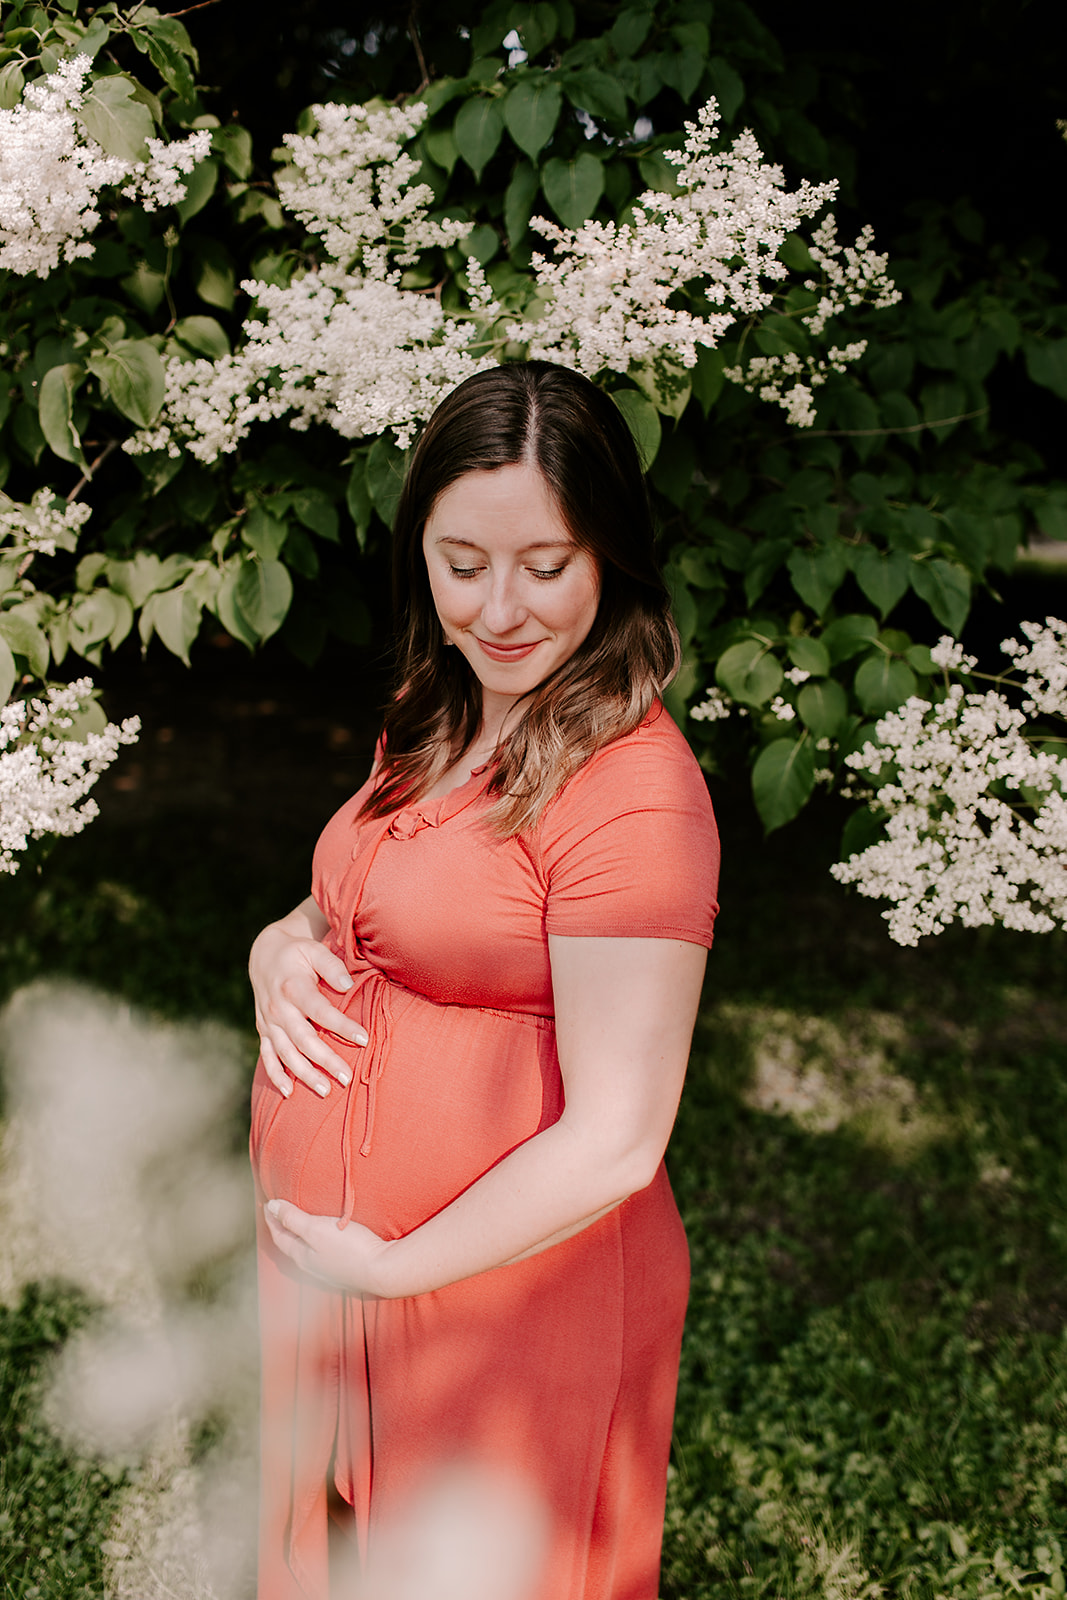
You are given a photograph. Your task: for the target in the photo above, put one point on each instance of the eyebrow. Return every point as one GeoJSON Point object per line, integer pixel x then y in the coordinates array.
{"type": "Point", "coordinates": [539, 544]}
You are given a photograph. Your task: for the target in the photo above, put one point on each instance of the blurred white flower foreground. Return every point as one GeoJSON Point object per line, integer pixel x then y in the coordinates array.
{"type": "Point", "coordinates": [119, 1172]}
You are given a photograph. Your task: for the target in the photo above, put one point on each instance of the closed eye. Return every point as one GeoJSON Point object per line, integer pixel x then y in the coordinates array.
{"type": "Point", "coordinates": [464, 572]}
{"type": "Point", "coordinates": [548, 572]}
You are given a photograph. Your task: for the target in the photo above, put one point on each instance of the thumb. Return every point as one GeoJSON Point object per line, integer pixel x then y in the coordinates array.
{"type": "Point", "coordinates": [287, 1215]}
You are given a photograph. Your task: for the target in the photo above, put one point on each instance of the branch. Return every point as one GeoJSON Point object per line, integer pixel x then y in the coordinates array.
{"type": "Point", "coordinates": [413, 31]}
{"type": "Point", "coordinates": [201, 7]}
{"type": "Point", "coordinates": [83, 482]}
{"type": "Point", "coordinates": [912, 427]}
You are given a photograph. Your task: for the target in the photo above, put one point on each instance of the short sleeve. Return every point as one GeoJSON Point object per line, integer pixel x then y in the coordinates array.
{"type": "Point", "coordinates": [629, 848]}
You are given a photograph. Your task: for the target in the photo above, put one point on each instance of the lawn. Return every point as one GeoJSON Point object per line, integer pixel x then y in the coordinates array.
{"type": "Point", "coordinates": [869, 1160]}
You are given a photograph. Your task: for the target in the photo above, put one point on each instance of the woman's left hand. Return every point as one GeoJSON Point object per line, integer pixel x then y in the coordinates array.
{"type": "Point", "coordinates": [349, 1258]}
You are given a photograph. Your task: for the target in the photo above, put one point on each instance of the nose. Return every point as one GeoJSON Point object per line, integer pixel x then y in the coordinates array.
{"type": "Point", "coordinates": [502, 609]}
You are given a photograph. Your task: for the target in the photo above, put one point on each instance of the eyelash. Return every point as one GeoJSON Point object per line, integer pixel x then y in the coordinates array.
{"type": "Point", "coordinates": [472, 572]}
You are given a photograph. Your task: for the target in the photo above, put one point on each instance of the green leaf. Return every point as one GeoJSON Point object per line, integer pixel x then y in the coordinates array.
{"type": "Point", "coordinates": [234, 144]}
{"type": "Point", "coordinates": [642, 418]}
{"type": "Point", "coordinates": [810, 655]}
{"type": "Point", "coordinates": [818, 574]}
{"type": "Point", "coordinates": [386, 466]}
{"type": "Point", "coordinates": [171, 66]}
{"type": "Point", "coordinates": [666, 382]}
{"type": "Point", "coordinates": [536, 25]}
{"type": "Point", "coordinates": [478, 129]}
{"type": "Point", "coordinates": [658, 173]}
{"type": "Point", "coordinates": [262, 596]}
{"type": "Point", "coordinates": [213, 273]}
{"type": "Point", "coordinates": [863, 828]}
{"type": "Point", "coordinates": [12, 83]}
{"type": "Point", "coordinates": [25, 639]}
{"type": "Point", "coordinates": [847, 636]}
{"type": "Point", "coordinates": [919, 657]}
{"type": "Point", "coordinates": [946, 589]}
{"type": "Point", "coordinates": [175, 616]}
{"type": "Point", "coordinates": [782, 780]}
{"type": "Point", "coordinates": [823, 707]}
{"type": "Point", "coordinates": [226, 608]}
{"type": "Point", "coordinates": [629, 31]}
{"type": "Point", "coordinates": [531, 112]}
{"type": "Point", "coordinates": [940, 401]}
{"type": "Point", "coordinates": [883, 578]}
{"type": "Point", "coordinates": [518, 202]}
{"type": "Point", "coordinates": [119, 123]}
{"type": "Point", "coordinates": [441, 147]}
{"type": "Point", "coordinates": [203, 335]}
{"type": "Point", "coordinates": [94, 617]}
{"type": "Point", "coordinates": [707, 377]}
{"type": "Point", "coordinates": [132, 372]}
{"type": "Point", "coordinates": [199, 187]}
{"type": "Point", "coordinates": [573, 188]}
{"type": "Point", "coordinates": [358, 500]}
{"type": "Point", "coordinates": [8, 673]}
{"type": "Point", "coordinates": [55, 405]}
{"type": "Point", "coordinates": [726, 86]}
{"type": "Point", "coordinates": [317, 511]}
{"type": "Point", "coordinates": [263, 533]}
{"type": "Point", "coordinates": [145, 287]}
{"type": "Point", "coordinates": [598, 93]}
{"type": "Point", "coordinates": [749, 673]}
{"type": "Point", "coordinates": [1046, 363]}
{"type": "Point", "coordinates": [883, 682]}
{"type": "Point", "coordinates": [482, 243]}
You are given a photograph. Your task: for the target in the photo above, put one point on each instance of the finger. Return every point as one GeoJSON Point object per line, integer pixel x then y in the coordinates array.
{"type": "Point", "coordinates": [323, 1015]}
{"type": "Point", "coordinates": [305, 1054]}
{"type": "Point", "coordinates": [273, 1067]}
{"type": "Point", "coordinates": [330, 968]}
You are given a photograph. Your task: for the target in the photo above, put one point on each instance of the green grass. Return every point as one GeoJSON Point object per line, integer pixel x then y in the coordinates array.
{"type": "Point", "coordinates": [873, 1394]}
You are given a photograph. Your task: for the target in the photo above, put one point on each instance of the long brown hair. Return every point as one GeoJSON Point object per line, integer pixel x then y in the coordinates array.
{"type": "Point", "coordinates": [573, 433]}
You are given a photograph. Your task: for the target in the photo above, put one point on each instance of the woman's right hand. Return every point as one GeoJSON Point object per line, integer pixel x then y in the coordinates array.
{"type": "Point", "coordinates": [286, 964]}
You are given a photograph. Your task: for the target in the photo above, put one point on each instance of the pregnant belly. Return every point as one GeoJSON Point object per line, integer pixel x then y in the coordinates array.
{"type": "Point", "coordinates": [441, 1093]}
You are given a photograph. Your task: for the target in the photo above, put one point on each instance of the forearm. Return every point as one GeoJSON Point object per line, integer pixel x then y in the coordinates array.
{"type": "Point", "coordinates": [305, 921]}
{"type": "Point", "coordinates": [546, 1190]}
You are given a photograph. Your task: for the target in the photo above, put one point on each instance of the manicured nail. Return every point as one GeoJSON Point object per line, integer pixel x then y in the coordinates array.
{"type": "Point", "coordinates": [323, 1089]}
{"type": "Point", "coordinates": [344, 1079]}
{"type": "Point", "coordinates": [273, 1207]}
{"type": "Point", "coordinates": [287, 1088]}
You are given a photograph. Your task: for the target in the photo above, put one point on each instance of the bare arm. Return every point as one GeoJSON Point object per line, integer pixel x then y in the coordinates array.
{"type": "Point", "coordinates": [625, 1010]}
{"type": "Point", "coordinates": [285, 965]}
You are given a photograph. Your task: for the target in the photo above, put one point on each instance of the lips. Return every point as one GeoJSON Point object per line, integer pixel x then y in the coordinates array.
{"type": "Point", "coordinates": [507, 652]}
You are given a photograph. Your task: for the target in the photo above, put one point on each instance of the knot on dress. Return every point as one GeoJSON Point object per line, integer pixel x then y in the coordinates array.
{"type": "Point", "coordinates": [378, 1020]}
{"type": "Point", "coordinates": [407, 823]}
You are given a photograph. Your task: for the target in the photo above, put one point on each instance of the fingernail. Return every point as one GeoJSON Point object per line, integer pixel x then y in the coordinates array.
{"type": "Point", "coordinates": [344, 1079]}
{"type": "Point", "coordinates": [287, 1090]}
{"type": "Point", "coordinates": [273, 1207]}
{"type": "Point", "coordinates": [346, 986]}
{"type": "Point", "coordinates": [323, 1089]}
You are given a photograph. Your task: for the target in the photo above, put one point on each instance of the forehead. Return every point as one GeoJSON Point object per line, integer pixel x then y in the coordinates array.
{"type": "Point", "coordinates": [509, 506]}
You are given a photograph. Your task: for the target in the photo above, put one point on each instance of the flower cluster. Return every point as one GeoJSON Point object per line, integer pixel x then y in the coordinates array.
{"type": "Point", "coordinates": [960, 777]}
{"type": "Point", "coordinates": [52, 172]}
{"type": "Point", "coordinates": [853, 275]}
{"type": "Point", "coordinates": [357, 354]}
{"type": "Point", "coordinates": [44, 779]}
{"type": "Point", "coordinates": [714, 707]}
{"type": "Point", "coordinates": [351, 183]}
{"type": "Point", "coordinates": [609, 286]}
{"type": "Point", "coordinates": [37, 528]}
{"type": "Point", "coordinates": [348, 346]}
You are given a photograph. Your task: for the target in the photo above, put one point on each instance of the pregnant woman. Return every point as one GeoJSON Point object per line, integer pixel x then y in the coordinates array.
{"type": "Point", "coordinates": [475, 1030]}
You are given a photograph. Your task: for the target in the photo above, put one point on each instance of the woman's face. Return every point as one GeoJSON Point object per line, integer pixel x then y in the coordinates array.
{"type": "Point", "coordinates": [513, 591]}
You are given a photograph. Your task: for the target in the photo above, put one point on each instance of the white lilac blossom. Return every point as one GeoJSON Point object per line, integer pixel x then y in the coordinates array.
{"type": "Point", "coordinates": [782, 710]}
{"type": "Point", "coordinates": [962, 776]}
{"type": "Point", "coordinates": [713, 708]}
{"type": "Point", "coordinates": [610, 285]}
{"type": "Point", "coordinates": [52, 172]}
{"type": "Point", "coordinates": [37, 528]}
{"type": "Point", "coordinates": [44, 778]}
{"type": "Point", "coordinates": [348, 346]}
{"type": "Point", "coordinates": [357, 354]}
{"type": "Point", "coordinates": [352, 184]}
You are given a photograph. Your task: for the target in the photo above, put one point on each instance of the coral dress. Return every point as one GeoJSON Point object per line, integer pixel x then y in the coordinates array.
{"type": "Point", "coordinates": [560, 1369]}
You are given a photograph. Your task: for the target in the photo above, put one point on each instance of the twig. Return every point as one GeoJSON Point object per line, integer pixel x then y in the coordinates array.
{"type": "Point", "coordinates": [201, 7]}
{"type": "Point", "coordinates": [413, 31]}
{"type": "Point", "coordinates": [912, 427]}
{"type": "Point", "coordinates": [83, 482]}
